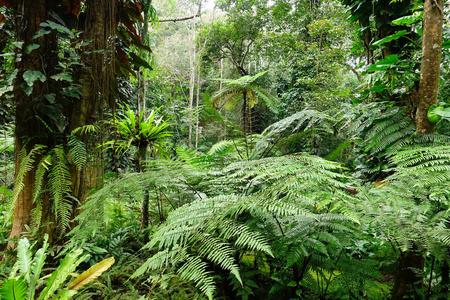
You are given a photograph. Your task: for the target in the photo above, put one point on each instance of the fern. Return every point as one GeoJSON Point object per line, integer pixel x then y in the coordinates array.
{"type": "Point", "coordinates": [39, 184]}
{"type": "Point", "coordinates": [411, 208]}
{"type": "Point", "coordinates": [60, 186]}
{"type": "Point", "coordinates": [26, 165]}
{"type": "Point", "coordinates": [78, 152]}
{"type": "Point", "coordinates": [308, 121]}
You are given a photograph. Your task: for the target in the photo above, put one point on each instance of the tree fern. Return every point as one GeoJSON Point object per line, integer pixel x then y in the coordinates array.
{"type": "Point", "coordinates": [294, 188]}
{"type": "Point", "coordinates": [236, 87]}
{"type": "Point", "coordinates": [202, 232]}
{"type": "Point", "coordinates": [411, 208]}
{"type": "Point", "coordinates": [309, 121]}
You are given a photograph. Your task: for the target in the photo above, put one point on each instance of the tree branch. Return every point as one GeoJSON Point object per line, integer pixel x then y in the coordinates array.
{"type": "Point", "coordinates": [179, 19]}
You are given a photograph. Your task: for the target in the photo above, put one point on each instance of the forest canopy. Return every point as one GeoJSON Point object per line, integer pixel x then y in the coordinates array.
{"type": "Point", "coordinates": [224, 149]}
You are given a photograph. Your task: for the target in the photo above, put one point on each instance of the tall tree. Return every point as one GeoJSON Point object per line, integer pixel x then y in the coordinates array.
{"type": "Point", "coordinates": [61, 85]}
{"type": "Point", "coordinates": [431, 63]}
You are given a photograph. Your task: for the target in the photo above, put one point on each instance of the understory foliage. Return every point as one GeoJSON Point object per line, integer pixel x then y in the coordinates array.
{"type": "Point", "coordinates": [308, 178]}
{"type": "Point", "coordinates": [52, 181]}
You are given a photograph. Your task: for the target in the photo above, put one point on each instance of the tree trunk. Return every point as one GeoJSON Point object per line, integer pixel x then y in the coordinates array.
{"type": "Point", "coordinates": [367, 38]}
{"type": "Point", "coordinates": [408, 278]}
{"type": "Point", "coordinates": [445, 280]}
{"type": "Point", "coordinates": [192, 64]}
{"type": "Point", "coordinates": [197, 105]}
{"type": "Point", "coordinates": [431, 61]}
{"type": "Point", "coordinates": [32, 125]}
{"type": "Point", "coordinates": [244, 113]}
{"type": "Point", "coordinates": [30, 130]}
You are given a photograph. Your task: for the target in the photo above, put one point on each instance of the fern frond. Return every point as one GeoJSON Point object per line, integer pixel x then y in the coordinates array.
{"type": "Point", "coordinates": [303, 120]}
{"type": "Point", "coordinates": [217, 252]}
{"type": "Point", "coordinates": [157, 262]}
{"type": "Point", "coordinates": [36, 268]}
{"type": "Point", "coordinates": [26, 165]}
{"type": "Point", "coordinates": [24, 258]}
{"type": "Point", "coordinates": [60, 186]}
{"type": "Point", "coordinates": [78, 152]}
{"type": "Point", "coordinates": [195, 269]}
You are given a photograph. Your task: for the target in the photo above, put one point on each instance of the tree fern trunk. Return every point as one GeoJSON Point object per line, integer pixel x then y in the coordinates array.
{"type": "Point", "coordinates": [244, 113]}
{"type": "Point", "coordinates": [409, 277]}
{"type": "Point", "coordinates": [445, 280]}
{"type": "Point", "coordinates": [142, 155]}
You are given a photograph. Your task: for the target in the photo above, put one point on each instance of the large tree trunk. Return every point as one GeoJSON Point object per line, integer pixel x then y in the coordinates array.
{"type": "Point", "coordinates": [32, 125]}
{"type": "Point", "coordinates": [29, 130]}
{"type": "Point", "coordinates": [431, 61]}
{"type": "Point", "coordinates": [406, 279]}
{"type": "Point", "coordinates": [96, 81]}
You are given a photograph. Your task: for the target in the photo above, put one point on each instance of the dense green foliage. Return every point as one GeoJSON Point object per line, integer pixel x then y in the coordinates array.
{"type": "Point", "coordinates": [265, 150]}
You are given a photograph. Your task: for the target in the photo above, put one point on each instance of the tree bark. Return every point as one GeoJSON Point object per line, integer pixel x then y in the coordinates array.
{"type": "Point", "coordinates": [29, 130]}
{"type": "Point", "coordinates": [408, 279]}
{"type": "Point", "coordinates": [431, 62]}
{"type": "Point", "coordinates": [445, 280]}
{"type": "Point", "coordinates": [192, 64]}
{"type": "Point", "coordinates": [31, 126]}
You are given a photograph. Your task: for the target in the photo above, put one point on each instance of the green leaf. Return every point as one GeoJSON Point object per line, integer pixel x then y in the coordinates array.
{"type": "Point", "coordinates": [66, 266]}
{"type": "Point", "coordinates": [378, 88]}
{"type": "Point", "coordinates": [62, 77]}
{"type": "Point", "coordinates": [433, 115]}
{"type": "Point", "coordinates": [14, 289]}
{"type": "Point", "coordinates": [408, 20]}
{"type": "Point", "coordinates": [24, 259]}
{"type": "Point", "coordinates": [390, 38]}
{"type": "Point", "coordinates": [98, 250]}
{"type": "Point", "coordinates": [31, 48]}
{"type": "Point", "coordinates": [385, 63]}
{"type": "Point", "coordinates": [36, 268]}
{"type": "Point", "coordinates": [292, 283]}
{"type": "Point", "coordinates": [50, 97]}
{"type": "Point", "coordinates": [137, 61]}
{"type": "Point", "coordinates": [31, 76]}
{"type": "Point", "coordinates": [18, 44]}
{"type": "Point", "coordinates": [57, 27]}
{"type": "Point", "coordinates": [41, 32]}
{"type": "Point", "coordinates": [446, 45]}
{"type": "Point", "coordinates": [65, 294]}
{"type": "Point", "coordinates": [443, 112]}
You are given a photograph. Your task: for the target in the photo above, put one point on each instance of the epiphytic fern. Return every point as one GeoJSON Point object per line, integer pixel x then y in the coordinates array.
{"type": "Point", "coordinates": [78, 152]}
{"type": "Point", "coordinates": [27, 161]}
{"type": "Point", "coordinates": [52, 176]}
{"type": "Point", "coordinates": [26, 274]}
{"type": "Point", "coordinates": [60, 186]}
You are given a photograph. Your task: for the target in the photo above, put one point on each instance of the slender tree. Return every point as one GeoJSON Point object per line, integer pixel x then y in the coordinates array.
{"type": "Point", "coordinates": [431, 62]}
